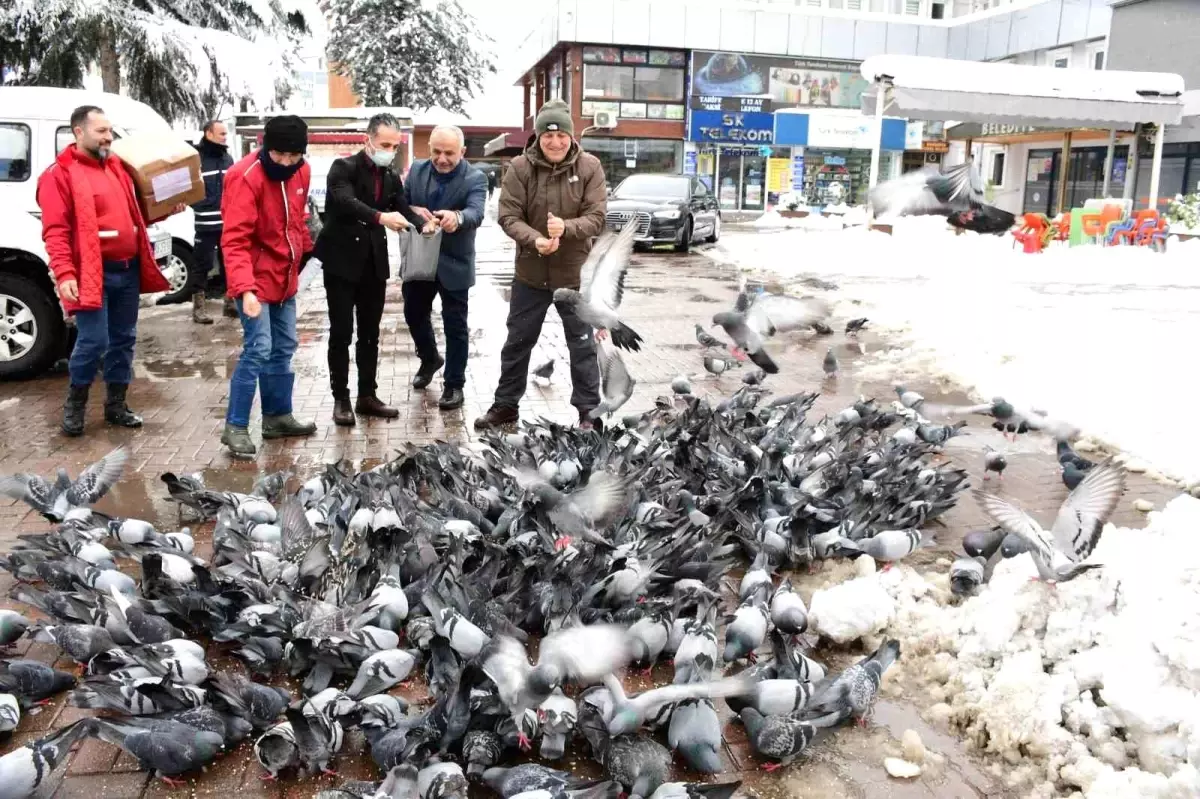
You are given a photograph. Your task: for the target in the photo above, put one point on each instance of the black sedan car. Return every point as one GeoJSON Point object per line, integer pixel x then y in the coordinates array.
{"type": "Point", "coordinates": [667, 209]}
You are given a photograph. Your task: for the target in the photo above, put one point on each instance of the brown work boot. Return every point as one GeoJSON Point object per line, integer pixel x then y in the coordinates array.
{"type": "Point", "coordinates": [497, 416]}
{"type": "Point", "coordinates": [342, 415]}
{"type": "Point", "coordinates": [199, 314]}
{"type": "Point", "coordinates": [373, 406]}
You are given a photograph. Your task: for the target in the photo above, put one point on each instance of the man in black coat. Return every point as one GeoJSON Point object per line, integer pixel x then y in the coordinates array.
{"type": "Point", "coordinates": [363, 197]}
{"type": "Point", "coordinates": [215, 160]}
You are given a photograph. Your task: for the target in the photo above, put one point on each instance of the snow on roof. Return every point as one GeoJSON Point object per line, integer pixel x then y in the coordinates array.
{"type": "Point", "coordinates": [981, 77]}
{"type": "Point", "coordinates": [969, 91]}
{"type": "Point", "coordinates": [1191, 103]}
{"type": "Point", "coordinates": [45, 102]}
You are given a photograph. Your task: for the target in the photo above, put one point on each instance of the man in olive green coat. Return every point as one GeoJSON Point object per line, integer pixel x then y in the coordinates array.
{"type": "Point", "coordinates": [552, 204]}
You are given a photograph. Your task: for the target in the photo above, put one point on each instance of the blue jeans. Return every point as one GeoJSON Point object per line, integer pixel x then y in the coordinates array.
{"type": "Point", "coordinates": [109, 332]}
{"type": "Point", "coordinates": [268, 343]}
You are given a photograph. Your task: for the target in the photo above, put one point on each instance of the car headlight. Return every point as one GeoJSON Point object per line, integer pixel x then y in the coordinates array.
{"type": "Point", "coordinates": [668, 213]}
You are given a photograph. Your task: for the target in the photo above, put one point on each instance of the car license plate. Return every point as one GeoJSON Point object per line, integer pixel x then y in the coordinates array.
{"type": "Point", "coordinates": [162, 248]}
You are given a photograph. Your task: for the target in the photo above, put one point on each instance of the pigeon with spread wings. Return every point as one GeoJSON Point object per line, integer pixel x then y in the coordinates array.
{"type": "Point", "coordinates": [956, 194]}
{"type": "Point", "coordinates": [1060, 551]}
{"type": "Point", "coordinates": [598, 303]}
{"type": "Point", "coordinates": [765, 317]}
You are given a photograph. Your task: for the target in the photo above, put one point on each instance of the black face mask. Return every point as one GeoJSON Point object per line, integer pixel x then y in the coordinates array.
{"type": "Point", "coordinates": [277, 172]}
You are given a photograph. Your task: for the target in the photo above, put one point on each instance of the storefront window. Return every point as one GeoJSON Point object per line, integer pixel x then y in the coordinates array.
{"type": "Point", "coordinates": [654, 91]}
{"type": "Point", "coordinates": [833, 176]}
{"type": "Point", "coordinates": [1085, 178]}
{"type": "Point", "coordinates": [742, 177]}
{"type": "Point", "coordinates": [554, 85]}
{"type": "Point", "coordinates": [624, 157]}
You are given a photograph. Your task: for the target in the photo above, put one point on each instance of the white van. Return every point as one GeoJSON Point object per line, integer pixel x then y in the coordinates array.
{"type": "Point", "coordinates": [34, 128]}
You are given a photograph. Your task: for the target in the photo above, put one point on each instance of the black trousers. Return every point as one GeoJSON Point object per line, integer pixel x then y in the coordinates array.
{"type": "Point", "coordinates": [526, 314]}
{"type": "Point", "coordinates": [418, 312]}
{"type": "Point", "coordinates": [205, 255]}
{"type": "Point", "coordinates": [347, 300]}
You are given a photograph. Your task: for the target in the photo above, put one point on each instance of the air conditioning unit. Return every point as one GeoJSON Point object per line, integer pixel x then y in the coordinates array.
{"type": "Point", "coordinates": [604, 119]}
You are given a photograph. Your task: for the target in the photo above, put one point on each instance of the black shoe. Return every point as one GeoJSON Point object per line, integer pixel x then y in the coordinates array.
{"type": "Point", "coordinates": [425, 374]}
{"type": "Point", "coordinates": [116, 412]}
{"type": "Point", "coordinates": [74, 410]}
{"type": "Point", "coordinates": [343, 416]}
{"type": "Point", "coordinates": [373, 406]}
{"type": "Point", "coordinates": [452, 398]}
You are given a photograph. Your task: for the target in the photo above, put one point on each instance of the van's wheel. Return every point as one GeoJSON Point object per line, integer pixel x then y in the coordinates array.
{"type": "Point", "coordinates": [178, 266]}
{"type": "Point", "coordinates": [31, 327]}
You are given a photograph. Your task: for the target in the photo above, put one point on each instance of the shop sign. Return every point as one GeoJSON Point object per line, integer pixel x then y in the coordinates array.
{"type": "Point", "coordinates": [689, 162]}
{"type": "Point", "coordinates": [914, 134]}
{"type": "Point", "coordinates": [844, 132]}
{"type": "Point", "coordinates": [935, 146]}
{"type": "Point", "coordinates": [732, 127]}
{"type": "Point", "coordinates": [743, 104]}
{"type": "Point", "coordinates": [978, 130]}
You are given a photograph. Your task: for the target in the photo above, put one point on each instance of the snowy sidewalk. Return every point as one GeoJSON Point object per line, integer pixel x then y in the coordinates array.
{"type": "Point", "coordinates": [1097, 336]}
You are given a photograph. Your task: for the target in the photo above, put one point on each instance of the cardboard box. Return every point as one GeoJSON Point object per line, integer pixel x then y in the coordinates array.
{"type": "Point", "coordinates": [165, 169]}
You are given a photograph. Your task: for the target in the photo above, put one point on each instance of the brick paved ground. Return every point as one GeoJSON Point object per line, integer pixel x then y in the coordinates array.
{"type": "Point", "coordinates": [181, 386]}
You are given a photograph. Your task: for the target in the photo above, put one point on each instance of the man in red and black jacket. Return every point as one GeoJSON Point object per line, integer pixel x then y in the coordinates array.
{"type": "Point", "coordinates": [101, 259]}
{"type": "Point", "coordinates": [266, 242]}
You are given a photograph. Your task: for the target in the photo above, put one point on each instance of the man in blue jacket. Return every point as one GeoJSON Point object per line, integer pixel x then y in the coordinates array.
{"type": "Point", "coordinates": [446, 188]}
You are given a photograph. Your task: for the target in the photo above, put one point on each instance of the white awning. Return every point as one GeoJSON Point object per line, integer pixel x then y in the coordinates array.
{"type": "Point", "coordinates": [970, 91]}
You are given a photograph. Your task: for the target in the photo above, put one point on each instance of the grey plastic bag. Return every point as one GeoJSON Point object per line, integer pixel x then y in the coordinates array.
{"type": "Point", "coordinates": [419, 254]}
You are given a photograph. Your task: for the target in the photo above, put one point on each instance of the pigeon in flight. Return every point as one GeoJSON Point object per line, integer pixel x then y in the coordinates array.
{"type": "Point", "coordinates": [615, 381]}
{"type": "Point", "coordinates": [54, 500]}
{"type": "Point", "coordinates": [767, 316]}
{"type": "Point", "coordinates": [1059, 552]}
{"type": "Point", "coordinates": [598, 303]}
{"type": "Point", "coordinates": [956, 194]}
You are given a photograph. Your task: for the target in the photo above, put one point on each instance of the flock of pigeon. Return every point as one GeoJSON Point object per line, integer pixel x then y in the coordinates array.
{"type": "Point", "coordinates": [448, 561]}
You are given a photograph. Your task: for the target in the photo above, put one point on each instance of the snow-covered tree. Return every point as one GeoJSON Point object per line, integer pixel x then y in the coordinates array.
{"type": "Point", "coordinates": [414, 53]}
{"type": "Point", "coordinates": [185, 58]}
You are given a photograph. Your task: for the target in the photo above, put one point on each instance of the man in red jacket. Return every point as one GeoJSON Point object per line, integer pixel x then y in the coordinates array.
{"type": "Point", "coordinates": [265, 243]}
{"type": "Point", "coordinates": [101, 259]}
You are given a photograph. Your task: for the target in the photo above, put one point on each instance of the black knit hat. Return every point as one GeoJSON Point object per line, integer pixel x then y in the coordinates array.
{"type": "Point", "coordinates": [286, 134]}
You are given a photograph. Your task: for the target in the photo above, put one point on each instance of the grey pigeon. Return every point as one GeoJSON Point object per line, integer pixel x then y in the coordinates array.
{"type": "Point", "coordinates": [889, 546]}
{"type": "Point", "coordinates": [639, 763]}
{"type": "Point", "coordinates": [747, 631]}
{"type": "Point", "coordinates": [259, 704]}
{"type": "Point", "coordinates": [481, 749]}
{"type": "Point", "coordinates": [276, 750]}
{"type": "Point", "coordinates": [717, 364]}
{"type": "Point", "coordinates": [780, 738]}
{"type": "Point", "coordinates": [439, 780]}
{"type": "Point", "coordinates": [55, 500]}
{"type": "Point", "coordinates": [10, 713]}
{"type": "Point", "coordinates": [852, 693]}
{"type": "Point", "coordinates": [707, 339]}
{"type": "Point", "coordinates": [830, 363]}
{"type": "Point", "coordinates": [967, 575]}
{"type": "Point", "coordinates": [12, 626]}
{"type": "Point", "coordinates": [381, 671]}
{"type": "Point", "coordinates": [33, 681]}
{"type": "Point", "coordinates": [788, 613]}
{"type": "Point", "coordinates": [1059, 552]}
{"type": "Point", "coordinates": [541, 374]}
{"type": "Point", "coordinates": [581, 513]}
{"type": "Point", "coordinates": [24, 770]}
{"type": "Point", "coordinates": [558, 715]}
{"type": "Point", "coordinates": [629, 712]}
{"type": "Point", "coordinates": [81, 642]}
{"type": "Point", "coordinates": [856, 326]}
{"type": "Point", "coordinates": [598, 303]}
{"type": "Point", "coordinates": [165, 748]}
{"type": "Point", "coordinates": [778, 697]}
{"type": "Point", "coordinates": [983, 543]}
{"type": "Point", "coordinates": [681, 385]}
{"type": "Point", "coordinates": [615, 381]}
{"type": "Point", "coordinates": [993, 461]}
{"type": "Point", "coordinates": [745, 340]}
{"type": "Point", "coordinates": [515, 780]}
{"type": "Point", "coordinates": [695, 733]}
{"type": "Point", "coordinates": [318, 738]}
{"type": "Point", "coordinates": [465, 637]}
{"type": "Point", "coordinates": [694, 790]}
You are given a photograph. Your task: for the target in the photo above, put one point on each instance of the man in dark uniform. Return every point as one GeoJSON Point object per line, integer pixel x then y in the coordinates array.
{"type": "Point", "coordinates": [215, 160]}
{"type": "Point", "coordinates": [363, 198]}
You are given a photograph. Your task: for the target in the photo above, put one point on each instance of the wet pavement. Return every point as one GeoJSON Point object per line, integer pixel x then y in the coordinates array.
{"type": "Point", "coordinates": [181, 386]}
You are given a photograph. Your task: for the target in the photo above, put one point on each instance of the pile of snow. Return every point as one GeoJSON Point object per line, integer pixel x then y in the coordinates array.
{"type": "Point", "coordinates": [1093, 686]}
{"type": "Point", "coordinates": [814, 222]}
{"type": "Point", "coordinates": [1090, 334]}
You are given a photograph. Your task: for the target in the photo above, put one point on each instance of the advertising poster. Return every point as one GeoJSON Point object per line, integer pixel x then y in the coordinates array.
{"type": "Point", "coordinates": [742, 82]}
{"type": "Point", "coordinates": [779, 175]}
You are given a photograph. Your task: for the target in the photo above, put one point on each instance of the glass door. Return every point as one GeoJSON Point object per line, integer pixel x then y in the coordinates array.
{"type": "Point", "coordinates": [729, 179]}
{"type": "Point", "coordinates": [754, 182]}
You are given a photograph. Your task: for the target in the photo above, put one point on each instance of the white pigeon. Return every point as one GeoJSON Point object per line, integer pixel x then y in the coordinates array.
{"type": "Point", "coordinates": [598, 303]}
{"type": "Point", "coordinates": [1059, 552]}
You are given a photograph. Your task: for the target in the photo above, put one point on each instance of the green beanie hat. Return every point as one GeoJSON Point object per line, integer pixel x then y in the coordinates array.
{"type": "Point", "coordinates": [555, 115]}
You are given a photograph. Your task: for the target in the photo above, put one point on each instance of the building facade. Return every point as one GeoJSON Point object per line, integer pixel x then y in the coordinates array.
{"type": "Point", "coordinates": [764, 98]}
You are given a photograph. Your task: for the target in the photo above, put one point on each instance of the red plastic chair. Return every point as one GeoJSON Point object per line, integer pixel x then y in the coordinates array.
{"type": "Point", "coordinates": [1034, 233]}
